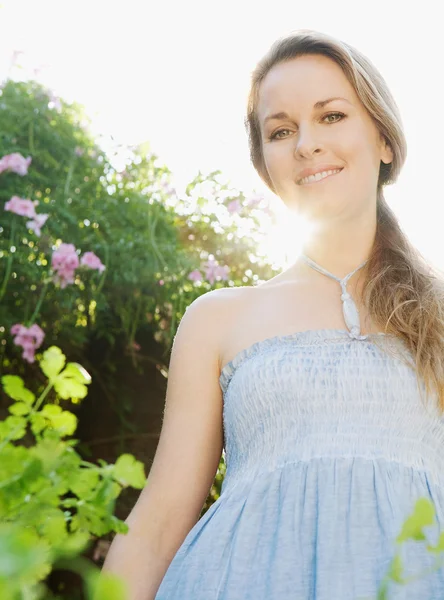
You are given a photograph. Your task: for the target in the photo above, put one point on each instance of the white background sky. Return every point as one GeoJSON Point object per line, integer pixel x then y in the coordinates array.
{"type": "Point", "coordinates": [177, 74]}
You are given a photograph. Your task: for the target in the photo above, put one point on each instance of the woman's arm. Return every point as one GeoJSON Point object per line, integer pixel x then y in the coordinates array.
{"type": "Point", "coordinates": [187, 456]}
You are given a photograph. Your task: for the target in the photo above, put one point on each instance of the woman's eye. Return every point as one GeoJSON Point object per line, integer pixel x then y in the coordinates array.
{"type": "Point", "coordinates": [337, 114]}
{"type": "Point", "coordinates": [272, 137]}
{"type": "Point", "coordinates": [334, 115]}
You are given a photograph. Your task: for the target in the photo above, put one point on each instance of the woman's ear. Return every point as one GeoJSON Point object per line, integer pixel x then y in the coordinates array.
{"type": "Point", "coordinates": [386, 152]}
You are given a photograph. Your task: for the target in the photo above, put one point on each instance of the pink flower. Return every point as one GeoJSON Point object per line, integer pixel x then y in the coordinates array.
{"type": "Point", "coordinates": [28, 338]}
{"type": "Point", "coordinates": [234, 206]}
{"type": "Point", "coordinates": [37, 223]}
{"type": "Point", "coordinates": [78, 151]}
{"type": "Point", "coordinates": [213, 270]}
{"type": "Point", "coordinates": [15, 162]}
{"type": "Point", "coordinates": [195, 275]}
{"type": "Point", "coordinates": [255, 200]}
{"type": "Point", "coordinates": [222, 272]}
{"type": "Point", "coordinates": [64, 262]}
{"type": "Point", "coordinates": [21, 206]}
{"type": "Point", "coordinates": [89, 259]}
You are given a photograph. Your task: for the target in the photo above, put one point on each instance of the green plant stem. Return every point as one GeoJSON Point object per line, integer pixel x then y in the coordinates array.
{"type": "Point", "coordinates": [31, 137]}
{"type": "Point", "coordinates": [43, 396]}
{"type": "Point", "coordinates": [85, 463]}
{"type": "Point", "coordinates": [9, 263]}
{"type": "Point", "coordinates": [39, 303]}
{"type": "Point", "coordinates": [152, 224]}
{"type": "Point", "coordinates": [9, 437]}
{"type": "Point", "coordinates": [68, 178]}
{"type": "Point", "coordinates": [136, 319]}
{"type": "Point", "coordinates": [102, 278]}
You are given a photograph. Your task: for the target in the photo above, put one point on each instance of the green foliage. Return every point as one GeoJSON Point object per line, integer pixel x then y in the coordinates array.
{"type": "Point", "coordinates": [51, 501]}
{"type": "Point", "coordinates": [149, 239]}
{"type": "Point", "coordinates": [91, 205]}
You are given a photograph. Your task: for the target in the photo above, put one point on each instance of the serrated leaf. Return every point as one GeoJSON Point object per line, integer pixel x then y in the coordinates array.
{"type": "Point", "coordinates": [63, 421]}
{"type": "Point", "coordinates": [84, 483]}
{"type": "Point", "coordinates": [13, 427]}
{"type": "Point", "coordinates": [54, 527]}
{"type": "Point", "coordinates": [50, 410]}
{"type": "Point", "coordinates": [129, 472]}
{"type": "Point", "coordinates": [118, 525]}
{"type": "Point", "coordinates": [15, 388]}
{"type": "Point", "coordinates": [52, 362]}
{"type": "Point", "coordinates": [71, 383]}
{"type": "Point", "coordinates": [38, 423]}
{"type": "Point", "coordinates": [19, 409]}
{"type": "Point", "coordinates": [23, 554]}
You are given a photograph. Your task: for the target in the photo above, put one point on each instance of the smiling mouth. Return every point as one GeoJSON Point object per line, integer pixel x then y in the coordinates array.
{"type": "Point", "coordinates": [319, 180]}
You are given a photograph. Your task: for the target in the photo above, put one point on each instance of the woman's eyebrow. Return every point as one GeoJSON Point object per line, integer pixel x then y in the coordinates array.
{"type": "Point", "coordinates": [317, 105]}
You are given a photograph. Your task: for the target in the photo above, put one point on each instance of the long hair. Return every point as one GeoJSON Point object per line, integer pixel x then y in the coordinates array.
{"type": "Point", "coordinates": [402, 293]}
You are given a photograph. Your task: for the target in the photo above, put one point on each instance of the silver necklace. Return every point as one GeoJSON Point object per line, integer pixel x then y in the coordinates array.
{"type": "Point", "coordinates": [349, 308]}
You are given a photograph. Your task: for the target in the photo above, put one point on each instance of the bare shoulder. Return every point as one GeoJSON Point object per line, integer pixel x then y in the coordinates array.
{"type": "Point", "coordinates": [211, 311]}
{"type": "Point", "coordinates": [218, 302]}
{"type": "Point", "coordinates": [219, 312]}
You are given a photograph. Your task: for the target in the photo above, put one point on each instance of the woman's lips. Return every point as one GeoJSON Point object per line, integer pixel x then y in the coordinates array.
{"type": "Point", "coordinates": [321, 180]}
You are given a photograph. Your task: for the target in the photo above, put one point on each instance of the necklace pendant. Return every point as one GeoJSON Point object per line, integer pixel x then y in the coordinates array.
{"type": "Point", "coordinates": [349, 309]}
{"type": "Point", "coordinates": [351, 315]}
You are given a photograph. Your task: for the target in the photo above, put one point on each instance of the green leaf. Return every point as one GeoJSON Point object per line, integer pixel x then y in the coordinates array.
{"type": "Point", "coordinates": [423, 515]}
{"type": "Point", "coordinates": [71, 382]}
{"type": "Point", "coordinates": [23, 554]}
{"type": "Point", "coordinates": [395, 571]}
{"type": "Point", "coordinates": [38, 423]}
{"type": "Point", "coordinates": [85, 482]}
{"type": "Point", "coordinates": [129, 472]}
{"type": "Point", "coordinates": [13, 428]}
{"type": "Point", "coordinates": [15, 388]}
{"type": "Point", "coordinates": [62, 421]}
{"type": "Point", "coordinates": [118, 525]}
{"type": "Point", "coordinates": [75, 543]}
{"type": "Point", "coordinates": [107, 586]}
{"type": "Point", "coordinates": [54, 527]}
{"type": "Point", "coordinates": [19, 408]}
{"type": "Point", "coordinates": [52, 362]}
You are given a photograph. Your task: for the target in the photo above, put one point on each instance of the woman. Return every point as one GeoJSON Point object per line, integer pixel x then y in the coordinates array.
{"type": "Point", "coordinates": [331, 397]}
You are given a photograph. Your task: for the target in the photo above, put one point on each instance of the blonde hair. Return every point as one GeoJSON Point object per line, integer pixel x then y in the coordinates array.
{"type": "Point", "coordinates": [402, 293]}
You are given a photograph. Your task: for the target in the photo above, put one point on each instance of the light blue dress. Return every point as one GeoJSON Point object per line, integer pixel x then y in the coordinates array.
{"type": "Point", "coordinates": [328, 445]}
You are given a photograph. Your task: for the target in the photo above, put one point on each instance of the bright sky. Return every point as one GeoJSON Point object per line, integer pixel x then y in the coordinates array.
{"type": "Point", "coordinates": [176, 74]}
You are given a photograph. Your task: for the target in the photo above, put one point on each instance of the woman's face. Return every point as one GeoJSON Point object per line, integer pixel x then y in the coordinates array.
{"type": "Point", "coordinates": [308, 138]}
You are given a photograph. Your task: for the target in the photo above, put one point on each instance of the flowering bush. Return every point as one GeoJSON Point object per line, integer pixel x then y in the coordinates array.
{"type": "Point", "coordinates": [93, 255]}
